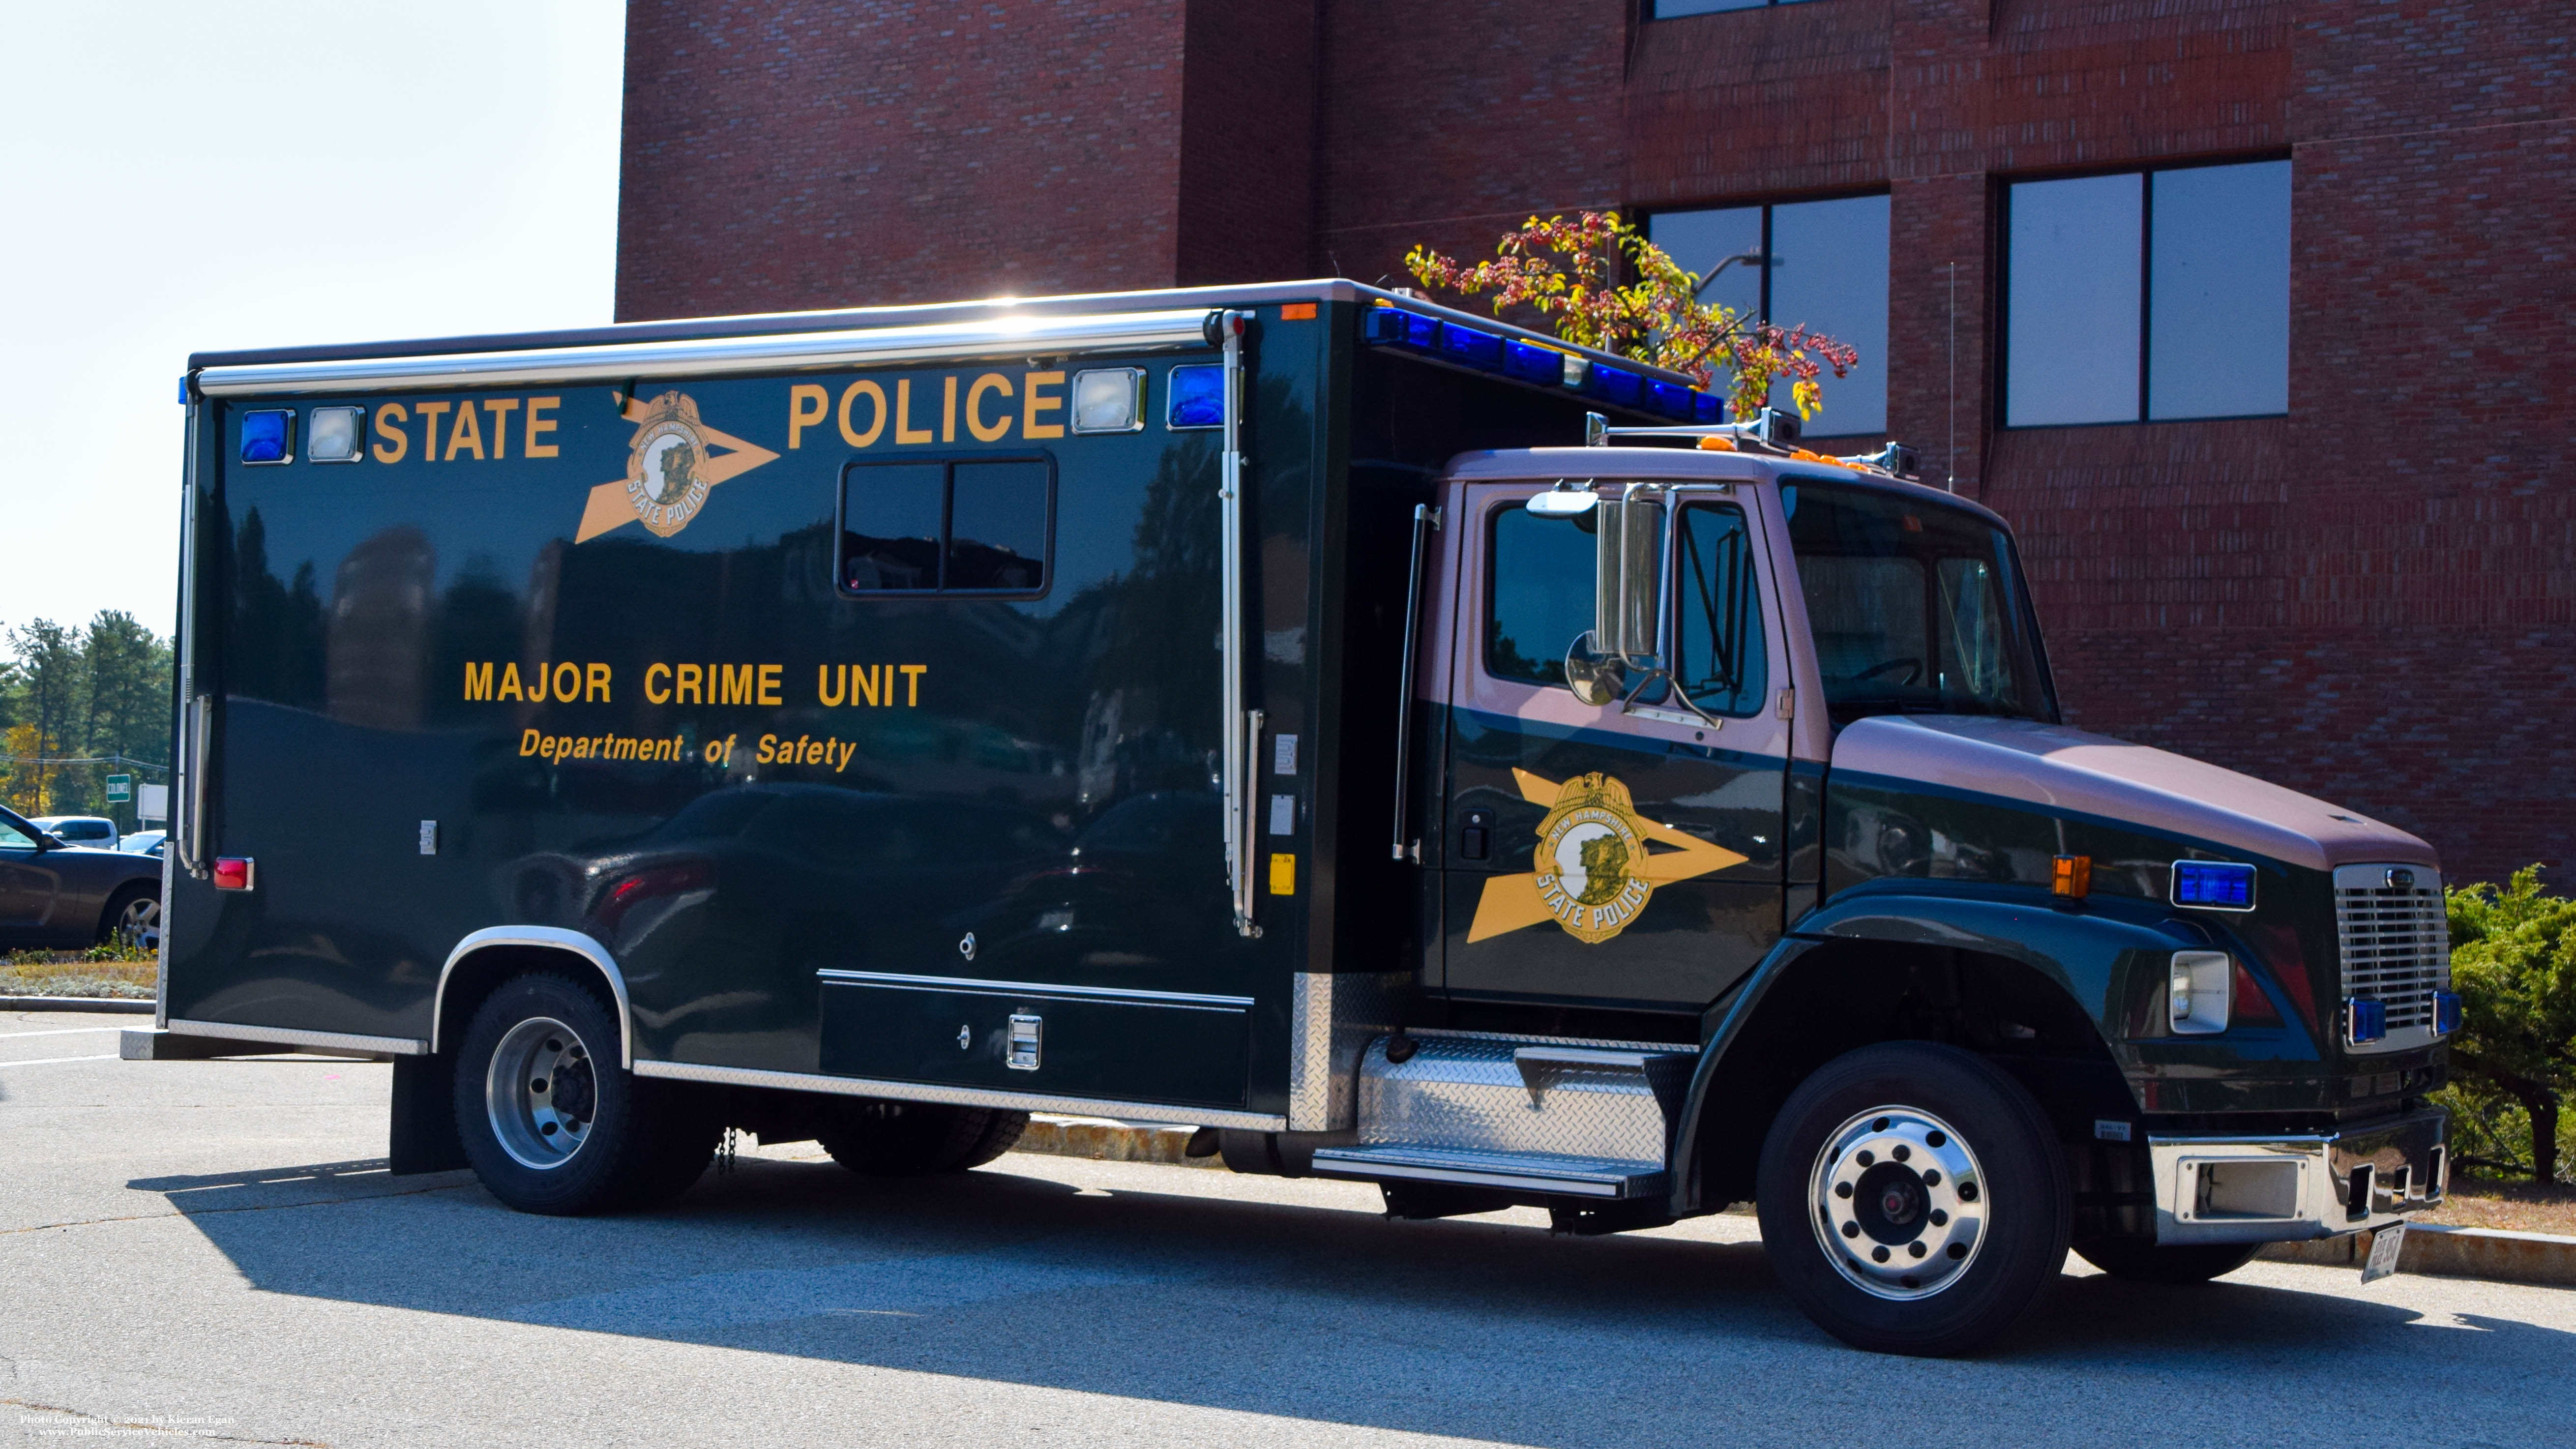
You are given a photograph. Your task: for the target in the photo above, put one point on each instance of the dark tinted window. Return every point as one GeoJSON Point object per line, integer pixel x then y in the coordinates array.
{"type": "Point", "coordinates": [964, 526]}
{"type": "Point", "coordinates": [1538, 594]}
{"type": "Point", "coordinates": [997, 526]}
{"type": "Point", "coordinates": [1718, 654]}
{"type": "Point", "coordinates": [890, 526]}
{"type": "Point", "coordinates": [15, 838]}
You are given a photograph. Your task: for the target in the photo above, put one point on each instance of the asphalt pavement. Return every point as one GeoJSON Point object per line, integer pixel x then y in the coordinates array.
{"type": "Point", "coordinates": [215, 1249]}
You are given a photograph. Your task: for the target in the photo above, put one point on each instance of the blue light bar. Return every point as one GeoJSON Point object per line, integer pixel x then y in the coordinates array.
{"type": "Point", "coordinates": [1470, 346]}
{"type": "Point", "coordinates": [2446, 1012]}
{"type": "Point", "coordinates": [1532, 363]}
{"type": "Point", "coordinates": [1707, 407]}
{"type": "Point", "coordinates": [2213, 885]}
{"type": "Point", "coordinates": [267, 437]}
{"type": "Point", "coordinates": [1671, 399]}
{"type": "Point", "coordinates": [1198, 397]}
{"type": "Point", "coordinates": [2365, 1020]}
{"type": "Point", "coordinates": [1394, 325]}
{"type": "Point", "coordinates": [1617, 384]}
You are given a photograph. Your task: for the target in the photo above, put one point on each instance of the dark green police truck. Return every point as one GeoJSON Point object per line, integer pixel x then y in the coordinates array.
{"type": "Point", "coordinates": [1411, 749]}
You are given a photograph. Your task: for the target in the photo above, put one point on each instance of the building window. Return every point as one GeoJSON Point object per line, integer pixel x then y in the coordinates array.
{"type": "Point", "coordinates": [1675, 9]}
{"type": "Point", "coordinates": [1818, 263]}
{"type": "Point", "coordinates": [2152, 296]}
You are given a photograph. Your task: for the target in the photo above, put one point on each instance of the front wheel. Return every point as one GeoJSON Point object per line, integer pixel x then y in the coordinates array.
{"type": "Point", "coordinates": [2139, 1260]}
{"type": "Point", "coordinates": [1913, 1199]}
{"type": "Point", "coordinates": [552, 1123]}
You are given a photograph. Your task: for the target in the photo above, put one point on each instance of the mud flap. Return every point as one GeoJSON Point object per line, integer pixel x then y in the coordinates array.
{"type": "Point", "coordinates": [424, 1117]}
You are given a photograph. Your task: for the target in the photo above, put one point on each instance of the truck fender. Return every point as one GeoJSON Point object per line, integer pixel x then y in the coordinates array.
{"type": "Point", "coordinates": [552, 938]}
{"type": "Point", "coordinates": [2083, 949]}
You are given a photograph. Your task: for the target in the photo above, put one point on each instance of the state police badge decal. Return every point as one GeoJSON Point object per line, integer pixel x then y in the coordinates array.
{"type": "Point", "coordinates": [673, 462]}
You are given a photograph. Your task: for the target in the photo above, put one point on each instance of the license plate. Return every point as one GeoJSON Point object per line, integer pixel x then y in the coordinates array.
{"type": "Point", "coordinates": [2385, 1247]}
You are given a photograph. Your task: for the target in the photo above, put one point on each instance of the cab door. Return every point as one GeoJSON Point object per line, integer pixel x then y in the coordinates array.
{"type": "Point", "coordinates": [1625, 856]}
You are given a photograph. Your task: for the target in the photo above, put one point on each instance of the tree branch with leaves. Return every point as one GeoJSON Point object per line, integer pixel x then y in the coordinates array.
{"type": "Point", "coordinates": [1568, 273]}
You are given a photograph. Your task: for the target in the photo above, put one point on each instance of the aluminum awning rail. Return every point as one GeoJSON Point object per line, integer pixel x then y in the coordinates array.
{"type": "Point", "coordinates": [1009, 335]}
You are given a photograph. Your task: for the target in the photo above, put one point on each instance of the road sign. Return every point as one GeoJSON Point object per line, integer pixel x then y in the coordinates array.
{"type": "Point", "coordinates": [120, 788]}
{"type": "Point", "coordinates": [153, 803]}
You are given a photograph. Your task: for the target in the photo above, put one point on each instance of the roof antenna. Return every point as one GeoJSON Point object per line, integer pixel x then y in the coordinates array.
{"type": "Point", "coordinates": [1950, 453]}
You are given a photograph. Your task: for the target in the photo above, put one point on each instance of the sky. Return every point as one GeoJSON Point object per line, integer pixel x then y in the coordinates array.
{"type": "Point", "coordinates": [250, 173]}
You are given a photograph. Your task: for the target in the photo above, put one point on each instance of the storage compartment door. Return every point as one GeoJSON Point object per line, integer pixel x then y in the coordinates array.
{"type": "Point", "coordinates": [1057, 1041]}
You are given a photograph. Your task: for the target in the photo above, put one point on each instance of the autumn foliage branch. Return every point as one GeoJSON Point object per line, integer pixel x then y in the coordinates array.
{"type": "Point", "coordinates": [1568, 273]}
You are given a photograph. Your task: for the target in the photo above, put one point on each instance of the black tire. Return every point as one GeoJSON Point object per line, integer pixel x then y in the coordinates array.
{"type": "Point", "coordinates": [636, 1141]}
{"type": "Point", "coordinates": [135, 908]}
{"type": "Point", "coordinates": [2140, 1261]}
{"type": "Point", "coordinates": [1989, 1234]}
{"type": "Point", "coordinates": [918, 1139]}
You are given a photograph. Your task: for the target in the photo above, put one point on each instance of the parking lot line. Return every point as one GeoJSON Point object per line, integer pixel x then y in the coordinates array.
{"type": "Point", "coordinates": [61, 1031]}
{"type": "Point", "coordinates": [49, 1061]}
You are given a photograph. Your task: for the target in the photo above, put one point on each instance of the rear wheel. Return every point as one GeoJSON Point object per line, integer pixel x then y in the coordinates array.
{"type": "Point", "coordinates": [132, 919]}
{"type": "Point", "coordinates": [1913, 1199]}
{"type": "Point", "coordinates": [2141, 1261]}
{"type": "Point", "coordinates": [552, 1125]}
{"type": "Point", "coordinates": [919, 1139]}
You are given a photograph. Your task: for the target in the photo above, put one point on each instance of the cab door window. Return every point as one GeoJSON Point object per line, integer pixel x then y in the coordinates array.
{"type": "Point", "coordinates": [1539, 583]}
{"type": "Point", "coordinates": [1719, 655]}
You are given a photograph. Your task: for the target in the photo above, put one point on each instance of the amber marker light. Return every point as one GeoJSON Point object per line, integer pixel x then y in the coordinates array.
{"type": "Point", "coordinates": [2072, 876]}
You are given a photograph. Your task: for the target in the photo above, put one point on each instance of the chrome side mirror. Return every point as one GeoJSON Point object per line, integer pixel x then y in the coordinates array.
{"type": "Point", "coordinates": [1596, 678]}
{"type": "Point", "coordinates": [1628, 583]}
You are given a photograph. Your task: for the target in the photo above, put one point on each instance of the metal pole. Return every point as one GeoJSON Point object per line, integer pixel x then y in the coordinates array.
{"type": "Point", "coordinates": [1425, 518]}
{"type": "Point", "coordinates": [1238, 746]}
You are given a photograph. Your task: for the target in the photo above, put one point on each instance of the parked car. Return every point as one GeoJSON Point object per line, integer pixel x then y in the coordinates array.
{"type": "Point", "coordinates": [144, 842]}
{"type": "Point", "coordinates": [94, 831]}
{"type": "Point", "coordinates": [56, 894]}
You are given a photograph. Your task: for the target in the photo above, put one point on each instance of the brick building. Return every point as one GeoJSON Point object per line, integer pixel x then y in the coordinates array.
{"type": "Point", "coordinates": [2353, 219]}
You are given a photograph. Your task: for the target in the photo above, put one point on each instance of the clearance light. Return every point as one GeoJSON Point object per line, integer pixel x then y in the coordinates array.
{"type": "Point", "coordinates": [2446, 1012]}
{"type": "Point", "coordinates": [235, 873]}
{"type": "Point", "coordinates": [1671, 399]}
{"type": "Point", "coordinates": [2071, 876]}
{"type": "Point", "coordinates": [1617, 384]}
{"type": "Point", "coordinates": [335, 435]}
{"type": "Point", "coordinates": [2213, 885]}
{"type": "Point", "coordinates": [1108, 400]}
{"type": "Point", "coordinates": [1394, 326]}
{"type": "Point", "coordinates": [1197, 397]}
{"type": "Point", "coordinates": [1470, 346]}
{"type": "Point", "coordinates": [2200, 987]}
{"type": "Point", "coordinates": [1532, 363]}
{"type": "Point", "coordinates": [268, 437]}
{"type": "Point", "coordinates": [2364, 1020]}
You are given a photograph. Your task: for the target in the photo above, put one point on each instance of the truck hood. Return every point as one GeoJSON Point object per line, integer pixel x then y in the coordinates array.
{"type": "Point", "coordinates": [2071, 771]}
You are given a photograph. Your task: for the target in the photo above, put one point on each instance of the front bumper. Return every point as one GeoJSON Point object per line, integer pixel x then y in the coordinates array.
{"type": "Point", "coordinates": [2287, 1189]}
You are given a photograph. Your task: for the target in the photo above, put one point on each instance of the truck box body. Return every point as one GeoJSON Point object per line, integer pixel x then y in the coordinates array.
{"type": "Point", "coordinates": [461, 682]}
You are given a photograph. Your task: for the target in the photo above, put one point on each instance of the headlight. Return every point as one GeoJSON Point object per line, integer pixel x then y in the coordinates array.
{"type": "Point", "coordinates": [2200, 992]}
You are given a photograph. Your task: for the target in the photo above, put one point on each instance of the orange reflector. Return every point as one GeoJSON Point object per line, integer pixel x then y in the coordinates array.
{"type": "Point", "coordinates": [2072, 876]}
{"type": "Point", "coordinates": [1717, 444]}
{"type": "Point", "coordinates": [1297, 312]}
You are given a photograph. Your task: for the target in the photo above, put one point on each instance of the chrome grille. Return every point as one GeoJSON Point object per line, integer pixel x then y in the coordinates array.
{"type": "Point", "coordinates": [2396, 945]}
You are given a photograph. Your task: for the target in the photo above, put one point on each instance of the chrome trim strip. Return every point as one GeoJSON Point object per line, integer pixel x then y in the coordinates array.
{"type": "Point", "coordinates": [1012, 334]}
{"type": "Point", "coordinates": [1329, 1163]}
{"type": "Point", "coordinates": [958, 1096]}
{"type": "Point", "coordinates": [397, 1046]}
{"type": "Point", "coordinates": [1035, 988]}
{"type": "Point", "coordinates": [547, 936]}
{"type": "Point", "coordinates": [1425, 519]}
{"type": "Point", "coordinates": [1237, 724]}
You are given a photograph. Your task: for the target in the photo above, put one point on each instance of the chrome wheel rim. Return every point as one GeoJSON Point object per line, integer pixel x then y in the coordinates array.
{"type": "Point", "coordinates": [138, 926]}
{"type": "Point", "coordinates": [1898, 1203]}
{"type": "Point", "coordinates": [542, 1093]}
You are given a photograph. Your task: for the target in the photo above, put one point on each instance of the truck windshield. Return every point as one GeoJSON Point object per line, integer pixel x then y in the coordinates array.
{"type": "Point", "coordinates": [1916, 608]}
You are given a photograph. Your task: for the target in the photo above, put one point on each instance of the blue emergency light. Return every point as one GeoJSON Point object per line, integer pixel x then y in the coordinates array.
{"type": "Point", "coordinates": [267, 437]}
{"type": "Point", "coordinates": [2213, 885]}
{"type": "Point", "coordinates": [1707, 407]}
{"type": "Point", "coordinates": [1198, 397]}
{"type": "Point", "coordinates": [1397, 327]}
{"type": "Point", "coordinates": [1532, 363]}
{"type": "Point", "coordinates": [1671, 399]}
{"type": "Point", "coordinates": [2446, 1012]}
{"type": "Point", "coordinates": [1617, 384]}
{"type": "Point", "coordinates": [2364, 1020]}
{"type": "Point", "coordinates": [1468, 345]}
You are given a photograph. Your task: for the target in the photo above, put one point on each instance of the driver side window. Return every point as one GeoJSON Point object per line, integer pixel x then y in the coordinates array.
{"type": "Point", "coordinates": [1538, 594]}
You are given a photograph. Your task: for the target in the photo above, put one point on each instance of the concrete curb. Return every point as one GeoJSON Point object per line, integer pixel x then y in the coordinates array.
{"type": "Point", "coordinates": [2431, 1248]}
{"type": "Point", "coordinates": [1104, 1140]}
{"type": "Point", "coordinates": [132, 1005]}
{"type": "Point", "coordinates": [2449, 1252]}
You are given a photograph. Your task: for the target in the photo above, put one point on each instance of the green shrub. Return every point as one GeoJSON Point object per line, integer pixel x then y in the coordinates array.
{"type": "Point", "coordinates": [2513, 961]}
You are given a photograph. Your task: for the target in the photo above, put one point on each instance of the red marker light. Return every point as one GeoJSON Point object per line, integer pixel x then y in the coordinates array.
{"type": "Point", "coordinates": [234, 873]}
